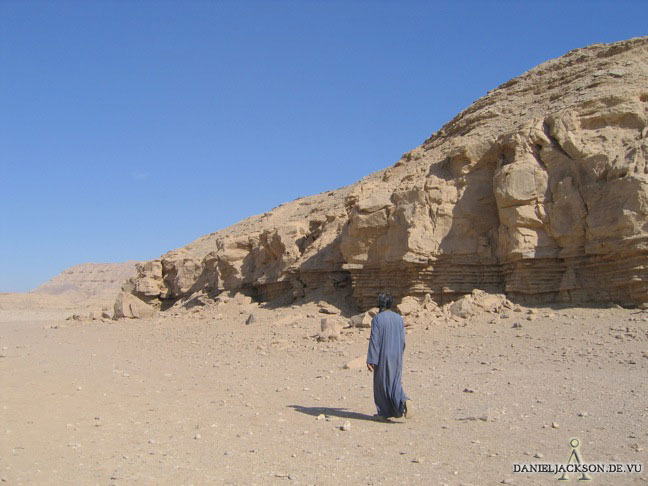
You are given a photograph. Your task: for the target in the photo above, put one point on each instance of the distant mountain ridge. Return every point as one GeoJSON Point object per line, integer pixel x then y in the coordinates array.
{"type": "Point", "coordinates": [96, 281]}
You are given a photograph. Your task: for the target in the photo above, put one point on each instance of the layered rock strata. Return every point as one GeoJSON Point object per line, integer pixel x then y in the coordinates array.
{"type": "Point", "coordinates": [539, 190]}
{"type": "Point", "coordinates": [94, 281]}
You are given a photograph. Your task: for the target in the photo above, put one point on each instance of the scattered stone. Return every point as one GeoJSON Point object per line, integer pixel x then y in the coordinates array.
{"type": "Point", "coordinates": [284, 475]}
{"type": "Point", "coordinates": [326, 308]}
{"type": "Point", "coordinates": [197, 436]}
{"type": "Point", "coordinates": [516, 325]}
{"type": "Point", "coordinates": [472, 418]}
{"type": "Point", "coordinates": [429, 304]}
{"type": "Point", "coordinates": [554, 425]}
{"type": "Point", "coordinates": [538, 455]}
{"type": "Point", "coordinates": [251, 319]}
{"type": "Point", "coordinates": [346, 426]}
{"type": "Point", "coordinates": [357, 363]}
{"type": "Point", "coordinates": [321, 416]}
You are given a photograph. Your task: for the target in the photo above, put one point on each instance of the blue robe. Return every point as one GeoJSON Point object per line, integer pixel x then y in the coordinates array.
{"type": "Point", "coordinates": [386, 346]}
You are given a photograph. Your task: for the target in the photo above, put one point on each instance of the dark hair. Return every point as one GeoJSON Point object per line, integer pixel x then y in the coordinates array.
{"type": "Point", "coordinates": [384, 301]}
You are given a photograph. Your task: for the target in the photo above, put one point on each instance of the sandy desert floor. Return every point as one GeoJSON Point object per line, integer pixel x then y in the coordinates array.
{"type": "Point", "coordinates": [199, 397]}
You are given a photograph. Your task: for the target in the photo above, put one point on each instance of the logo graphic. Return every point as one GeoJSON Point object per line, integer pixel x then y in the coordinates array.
{"type": "Point", "coordinates": [575, 458]}
{"type": "Point", "coordinates": [575, 465]}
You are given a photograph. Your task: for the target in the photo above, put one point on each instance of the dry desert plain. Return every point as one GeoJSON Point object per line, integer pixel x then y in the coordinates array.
{"type": "Point", "coordinates": [200, 397]}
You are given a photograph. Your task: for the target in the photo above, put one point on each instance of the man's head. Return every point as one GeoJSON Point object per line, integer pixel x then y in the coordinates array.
{"type": "Point", "coordinates": [384, 301]}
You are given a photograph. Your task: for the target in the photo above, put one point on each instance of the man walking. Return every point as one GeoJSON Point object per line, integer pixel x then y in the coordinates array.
{"type": "Point", "coordinates": [385, 360]}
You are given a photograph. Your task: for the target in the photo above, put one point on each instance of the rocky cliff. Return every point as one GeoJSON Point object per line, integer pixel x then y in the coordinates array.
{"type": "Point", "coordinates": [538, 190]}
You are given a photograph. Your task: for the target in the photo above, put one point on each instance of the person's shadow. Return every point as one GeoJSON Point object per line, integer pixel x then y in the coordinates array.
{"type": "Point", "coordinates": [334, 412]}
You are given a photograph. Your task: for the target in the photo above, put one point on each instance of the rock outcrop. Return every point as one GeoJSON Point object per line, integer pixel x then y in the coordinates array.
{"type": "Point", "coordinates": [539, 191]}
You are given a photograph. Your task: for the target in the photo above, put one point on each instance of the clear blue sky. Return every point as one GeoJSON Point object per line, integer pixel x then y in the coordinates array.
{"type": "Point", "coordinates": [131, 128]}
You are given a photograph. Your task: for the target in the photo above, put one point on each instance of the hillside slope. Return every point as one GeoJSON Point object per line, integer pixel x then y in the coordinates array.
{"type": "Point", "coordinates": [537, 190]}
{"type": "Point", "coordinates": [88, 281]}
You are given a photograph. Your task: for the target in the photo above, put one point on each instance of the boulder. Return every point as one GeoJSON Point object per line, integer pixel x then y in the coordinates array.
{"type": "Point", "coordinates": [361, 320]}
{"type": "Point", "coordinates": [489, 302]}
{"type": "Point", "coordinates": [129, 306]}
{"type": "Point", "coordinates": [330, 330]}
{"type": "Point", "coordinates": [462, 307]}
{"type": "Point", "coordinates": [408, 305]}
{"type": "Point", "coordinates": [241, 299]}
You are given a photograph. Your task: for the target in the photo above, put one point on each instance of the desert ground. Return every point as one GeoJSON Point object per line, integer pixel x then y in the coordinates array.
{"type": "Point", "coordinates": [197, 396]}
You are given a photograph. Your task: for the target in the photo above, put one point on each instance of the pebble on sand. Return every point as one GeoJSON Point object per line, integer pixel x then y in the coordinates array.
{"type": "Point", "coordinates": [346, 426]}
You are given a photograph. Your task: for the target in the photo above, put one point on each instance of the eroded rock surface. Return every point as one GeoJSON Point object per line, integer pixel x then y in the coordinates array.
{"type": "Point", "coordinates": [537, 191]}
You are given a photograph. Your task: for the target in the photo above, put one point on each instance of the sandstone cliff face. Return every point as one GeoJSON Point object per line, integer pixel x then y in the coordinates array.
{"type": "Point", "coordinates": [538, 190]}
